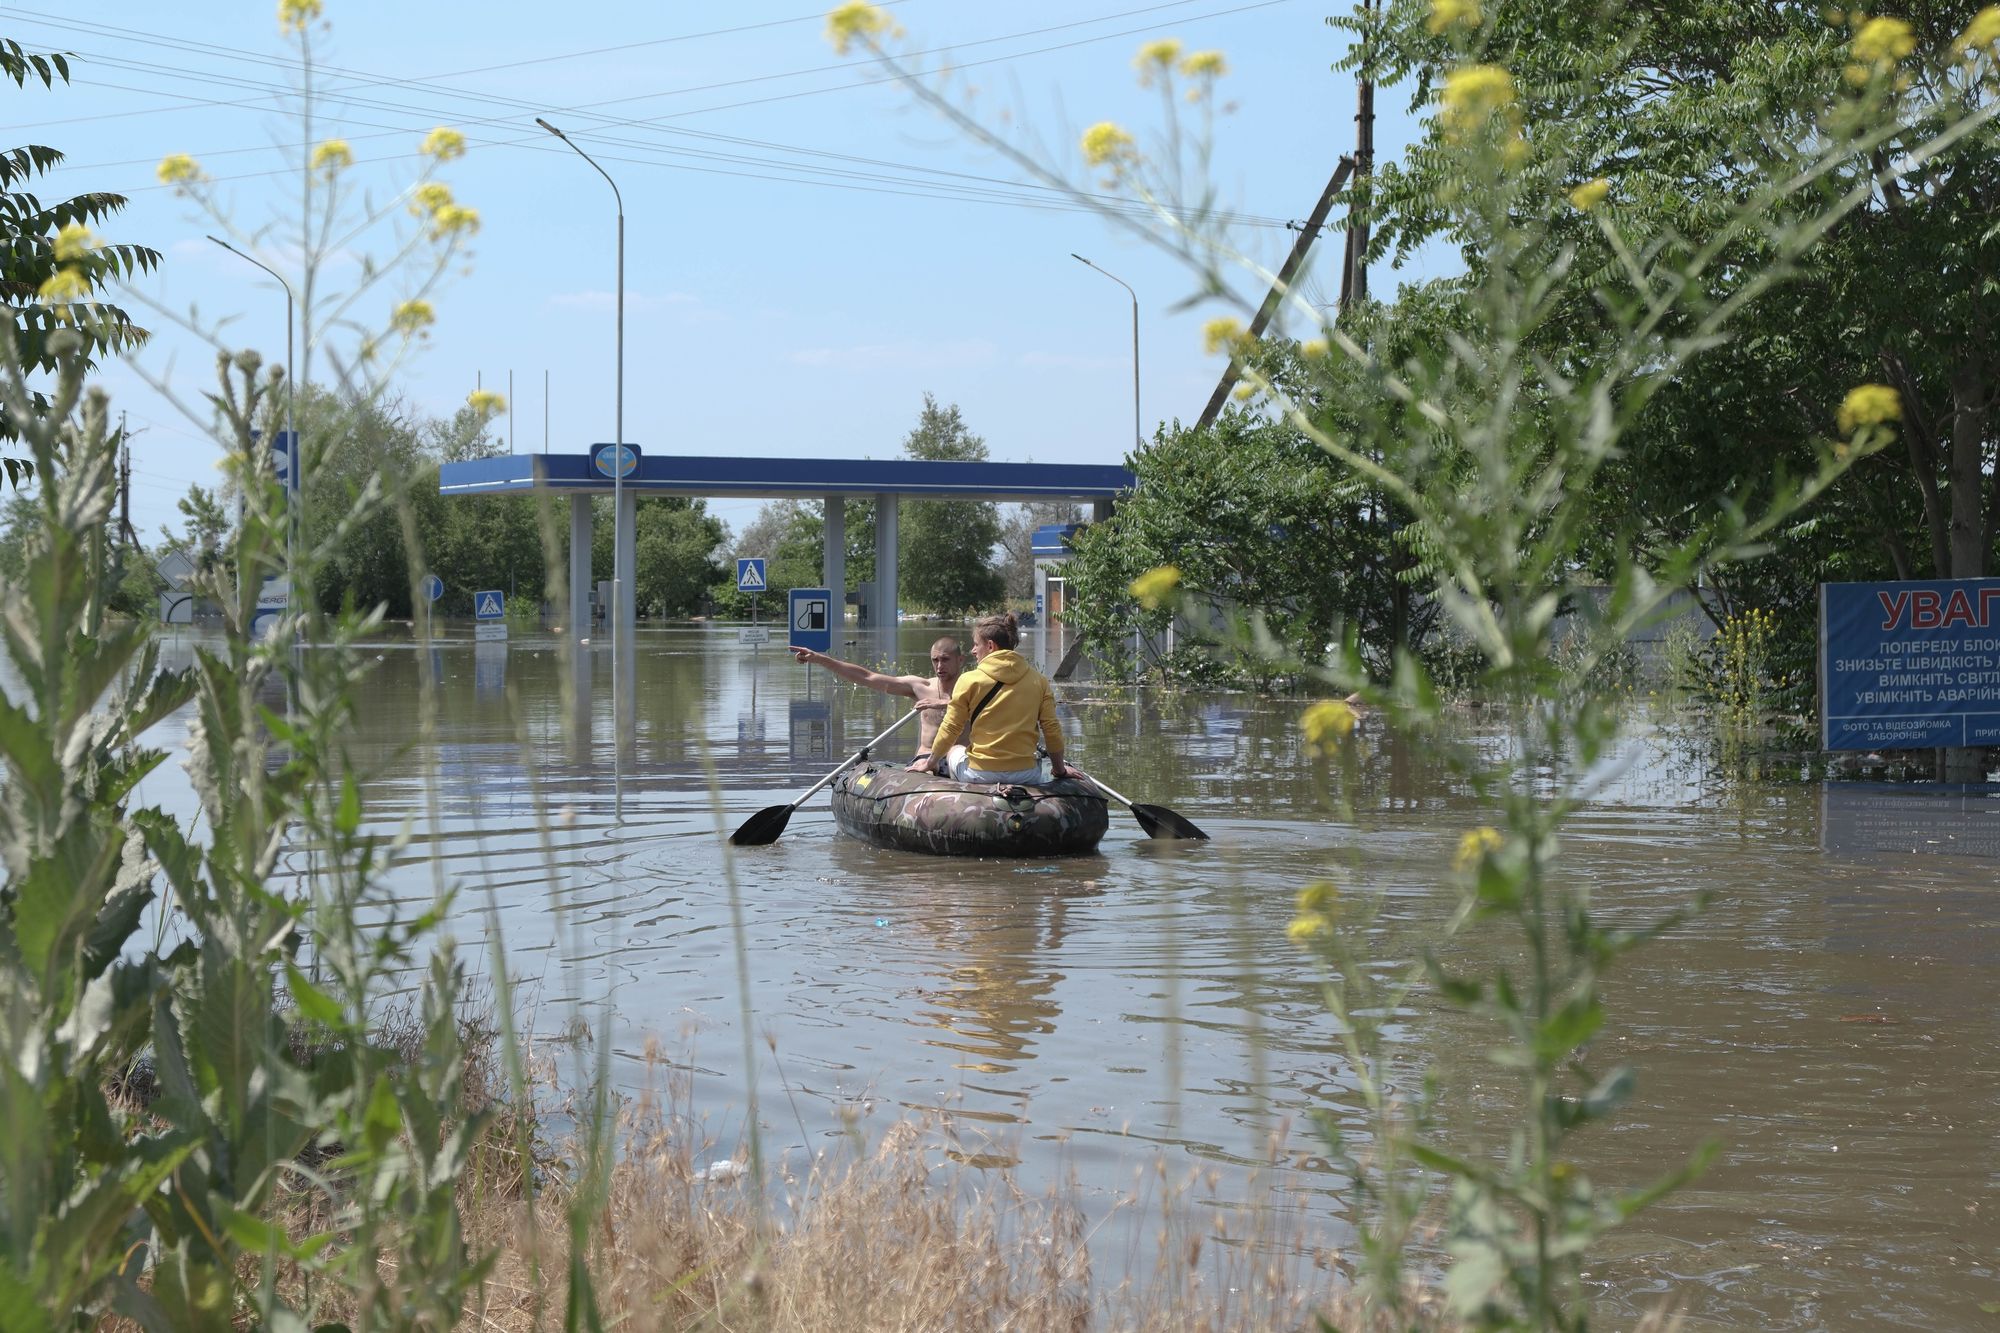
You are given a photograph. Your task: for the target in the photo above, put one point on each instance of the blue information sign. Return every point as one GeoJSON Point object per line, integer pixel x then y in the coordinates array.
{"type": "Point", "coordinates": [624, 457]}
{"type": "Point", "coordinates": [491, 605]}
{"type": "Point", "coordinates": [285, 456]}
{"type": "Point", "coordinates": [1909, 665]}
{"type": "Point", "coordinates": [433, 587]}
{"type": "Point", "coordinates": [812, 619]}
{"type": "Point", "coordinates": [750, 574]}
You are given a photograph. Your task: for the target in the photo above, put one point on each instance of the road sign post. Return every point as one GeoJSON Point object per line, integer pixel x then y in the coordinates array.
{"type": "Point", "coordinates": [433, 587]}
{"type": "Point", "coordinates": [811, 619]}
{"type": "Point", "coordinates": [490, 607]}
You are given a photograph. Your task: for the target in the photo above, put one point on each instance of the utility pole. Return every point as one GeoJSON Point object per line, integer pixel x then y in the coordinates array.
{"type": "Point", "coordinates": [124, 482]}
{"type": "Point", "coordinates": [1280, 287]}
{"type": "Point", "coordinates": [1354, 274]}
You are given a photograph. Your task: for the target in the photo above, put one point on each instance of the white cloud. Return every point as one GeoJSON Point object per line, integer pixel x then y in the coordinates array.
{"type": "Point", "coordinates": [1063, 361]}
{"type": "Point", "coordinates": [635, 302]}
{"type": "Point", "coordinates": [907, 355]}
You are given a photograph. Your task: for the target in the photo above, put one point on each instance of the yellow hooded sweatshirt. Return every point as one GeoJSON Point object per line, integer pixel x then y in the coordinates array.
{"type": "Point", "coordinates": [1003, 736]}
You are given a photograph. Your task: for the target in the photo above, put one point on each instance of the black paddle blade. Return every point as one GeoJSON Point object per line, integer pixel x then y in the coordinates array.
{"type": "Point", "coordinates": [762, 829]}
{"type": "Point", "coordinates": [1160, 822]}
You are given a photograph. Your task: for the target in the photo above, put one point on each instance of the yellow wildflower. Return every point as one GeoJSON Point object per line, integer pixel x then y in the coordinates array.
{"type": "Point", "coordinates": [1317, 896]}
{"type": "Point", "coordinates": [1204, 65]}
{"type": "Point", "coordinates": [1884, 41]}
{"type": "Point", "coordinates": [64, 285]}
{"type": "Point", "coordinates": [1473, 93]}
{"type": "Point", "coordinates": [1589, 194]}
{"type": "Point", "coordinates": [1869, 405]}
{"type": "Point", "coordinates": [175, 168]}
{"type": "Point", "coordinates": [333, 155]}
{"type": "Point", "coordinates": [1474, 846]}
{"type": "Point", "coordinates": [1244, 392]}
{"type": "Point", "coordinates": [1327, 722]}
{"type": "Point", "coordinates": [430, 197]}
{"type": "Point", "coordinates": [1104, 143]}
{"type": "Point", "coordinates": [486, 402]}
{"type": "Point", "coordinates": [1980, 34]}
{"type": "Point", "coordinates": [1312, 349]}
{"type": "Point", "coordinates": [443, 143]}
{"type": "Point", "coordinates": [293, 15]}
{"type": "Point", "coordinates": [453, 219]}
{"type": "Point", "coordinates": [413, 317]}
{"type": "Point", "coordinates": [1451, 13]}
{"type": "Point", "coordinates": [1221, 335]}
{"type": "Point", "coordinates": [1306, 926]}
{"type": "Point", "coordinates": [1156, 58]}
{"type": "Point", "coordinates": [1153, 586]}
{"type": "Point", "coordinates": [74, 242]}
{"type": "Point", "coordinates": [857, 19]}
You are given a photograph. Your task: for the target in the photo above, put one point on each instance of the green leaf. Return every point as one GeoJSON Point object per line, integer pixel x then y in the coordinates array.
{"type": "Point", "coordinates": [1569, 1027]}
{"type": "Point", "coordinates": [348, 817]}
{"type": "Point", "coordinates": [313, 1002]}
{"type": "Point", "coordinates": [381, 1121]}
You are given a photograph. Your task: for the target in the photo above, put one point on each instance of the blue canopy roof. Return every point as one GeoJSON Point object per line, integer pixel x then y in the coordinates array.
{"type": "Point", "coordinates": [779, 478]}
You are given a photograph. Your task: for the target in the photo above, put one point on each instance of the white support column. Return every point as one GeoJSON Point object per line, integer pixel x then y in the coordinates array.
{"type": "Point", "coordinates": [833, 564]}
{"type": "Point", "coordinates": [626, 566]}
{"type": "Point", "coordinates": [624, 707]}
{"type": "Point", "coordinates": [579, 567]}
{"type": "Point", "coordinates": [885, 561]}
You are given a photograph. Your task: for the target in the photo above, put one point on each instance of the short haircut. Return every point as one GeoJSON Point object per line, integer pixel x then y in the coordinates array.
{"type": "Point", "coordinates": [949, 642]}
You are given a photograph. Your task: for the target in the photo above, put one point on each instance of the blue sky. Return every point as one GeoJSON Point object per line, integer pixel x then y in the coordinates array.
{"type": "Point", "coordinates": [772, 309]}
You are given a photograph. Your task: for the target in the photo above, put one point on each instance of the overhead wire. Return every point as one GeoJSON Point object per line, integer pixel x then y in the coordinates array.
{"type": "Point", "coordinates": [983, 189]}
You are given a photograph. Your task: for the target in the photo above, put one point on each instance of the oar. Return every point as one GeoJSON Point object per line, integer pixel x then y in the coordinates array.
{"type": "Point", "coordinates": [763, 828]}
{"type": "Point", "coordinates": [1157, 820]}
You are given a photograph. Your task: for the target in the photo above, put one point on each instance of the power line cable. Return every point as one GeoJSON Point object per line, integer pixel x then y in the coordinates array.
{"type": "Point", "coordinates": [375, 80]}
{"type": "Point", "coordinates": [1007, 192]}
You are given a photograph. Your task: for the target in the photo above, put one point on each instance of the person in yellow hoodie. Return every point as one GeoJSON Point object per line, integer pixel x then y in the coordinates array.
{"type": "Point", "coordinates": [998, 710]}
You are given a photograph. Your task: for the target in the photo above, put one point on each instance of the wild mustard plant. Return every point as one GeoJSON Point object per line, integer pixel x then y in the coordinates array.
{"type": "Point", "coordinates": [1489, 447]}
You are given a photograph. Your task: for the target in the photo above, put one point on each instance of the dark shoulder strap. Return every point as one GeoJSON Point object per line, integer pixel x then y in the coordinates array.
{"type": "Point", "coordinates": [977, 709]}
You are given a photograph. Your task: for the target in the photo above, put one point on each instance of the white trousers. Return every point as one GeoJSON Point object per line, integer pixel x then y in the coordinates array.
{"type": "Point", "coordinates": [961, 770]}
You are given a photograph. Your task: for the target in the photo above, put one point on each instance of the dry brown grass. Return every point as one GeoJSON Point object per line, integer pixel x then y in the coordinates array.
{"type": "Point", "coordinates": [897, 1236]}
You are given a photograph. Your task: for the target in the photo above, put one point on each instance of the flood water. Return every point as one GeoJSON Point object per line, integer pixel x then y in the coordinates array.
{"type": "Point", "coordinates": [1830, 1019]}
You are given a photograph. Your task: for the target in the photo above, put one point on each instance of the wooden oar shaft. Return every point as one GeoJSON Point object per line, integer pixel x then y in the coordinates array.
{"type": "Point", "coordinates": [854, 758]}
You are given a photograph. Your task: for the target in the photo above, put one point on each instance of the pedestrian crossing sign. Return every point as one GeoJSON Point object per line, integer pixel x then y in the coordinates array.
{"type": "Point", "coordinates": [489, 605]}
{"type": "Point", "coordinates": [750, 574]}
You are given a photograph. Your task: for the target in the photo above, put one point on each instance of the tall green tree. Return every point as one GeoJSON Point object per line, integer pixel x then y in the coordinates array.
{"type": "Point", "coordinates": [945, 547]}
{"type": "Point", "coordinates": [50, 266]}
{"type": "Point", "coordinates": [1684, 116]}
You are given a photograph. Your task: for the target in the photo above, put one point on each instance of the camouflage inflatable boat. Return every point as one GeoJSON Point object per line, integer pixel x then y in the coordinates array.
{"type": "Point", "coordinates": [890, 806]}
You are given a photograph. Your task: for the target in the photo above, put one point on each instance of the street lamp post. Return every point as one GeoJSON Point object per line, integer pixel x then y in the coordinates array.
{"type": "Point", "coordinates": [1138, 431]}
{"type": "Point", "coordinates": [295, 488]}
{"type": "Point", "coordinates": [620, 576]}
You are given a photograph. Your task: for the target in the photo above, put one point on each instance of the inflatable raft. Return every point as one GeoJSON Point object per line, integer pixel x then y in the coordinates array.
{"type": "Point", "coordinates": [890, 806]}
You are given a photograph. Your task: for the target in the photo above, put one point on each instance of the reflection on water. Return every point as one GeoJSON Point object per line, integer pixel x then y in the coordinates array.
{"type": "Point", "coordinates": [1830, 1018]}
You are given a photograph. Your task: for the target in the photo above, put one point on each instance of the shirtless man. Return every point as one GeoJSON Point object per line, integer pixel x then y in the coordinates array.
{"type": "Point", "coordinates": [932, 693]}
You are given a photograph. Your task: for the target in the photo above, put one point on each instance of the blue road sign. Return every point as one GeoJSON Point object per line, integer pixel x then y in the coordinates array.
{"type": "Point", "coordinates": [812, 619]}
{"type": "Point", "coordinates": [433, 587]}
{"type": "Point", "coordinates": [1909, 665]}
{"type": "Point", "coordinates": [489, 605]}
{"type": "Point", "coordinates": [750, 574]}
{"type": "Point", "coordinates": [284, 457]}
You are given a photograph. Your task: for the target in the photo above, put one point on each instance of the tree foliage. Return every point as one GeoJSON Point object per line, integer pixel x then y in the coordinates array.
{"type": "Point", "coordinates": [1686, 117]}
{"type": "Point", "coordinates": [29, 227]}
{"type": "Point", "coordinates": [945, 547]}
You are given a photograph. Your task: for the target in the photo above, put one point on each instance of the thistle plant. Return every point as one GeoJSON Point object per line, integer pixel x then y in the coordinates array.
{"type": "Point", "coordinates": [1492, 441]}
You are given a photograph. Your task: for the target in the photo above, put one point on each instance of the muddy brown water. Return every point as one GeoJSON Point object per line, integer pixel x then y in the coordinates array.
{"type": "Point", "coordinates": [1830, 1019]}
